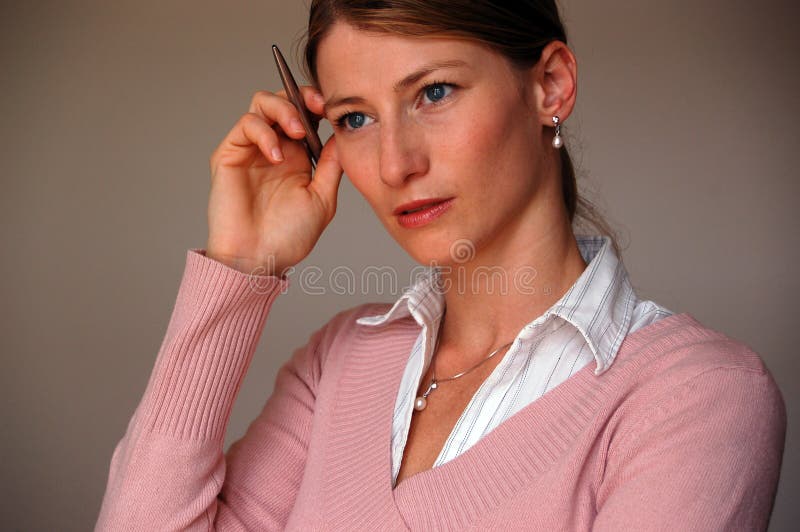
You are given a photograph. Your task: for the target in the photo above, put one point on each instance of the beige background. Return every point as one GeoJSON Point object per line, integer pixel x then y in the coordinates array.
{"type": "Point", "coordinates": [686, 130]}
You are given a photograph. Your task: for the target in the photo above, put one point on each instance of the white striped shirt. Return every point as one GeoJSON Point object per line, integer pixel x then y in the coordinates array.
{"type": "Point", "coordinates": [588, 323]}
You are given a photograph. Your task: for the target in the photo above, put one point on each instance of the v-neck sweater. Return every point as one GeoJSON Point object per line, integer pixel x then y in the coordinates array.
{"type": "Point", "coordinates": [685, 431]}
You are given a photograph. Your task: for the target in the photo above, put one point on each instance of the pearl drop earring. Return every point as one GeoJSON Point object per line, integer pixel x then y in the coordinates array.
{"type": "Point", "coordinates": [557, 140]}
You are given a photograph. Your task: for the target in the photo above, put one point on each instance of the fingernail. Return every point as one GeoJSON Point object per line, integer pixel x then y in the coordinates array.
{"type": "Point", "coordinates": [277, 154]}
{"type": "Point", "coordinates": [319, 99]}
{"type": "Point", "coordinates": [296, 125]}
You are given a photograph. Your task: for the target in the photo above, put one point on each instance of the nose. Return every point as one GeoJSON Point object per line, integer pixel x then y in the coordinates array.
{"type": "Point", "coordinates": [402, 152]}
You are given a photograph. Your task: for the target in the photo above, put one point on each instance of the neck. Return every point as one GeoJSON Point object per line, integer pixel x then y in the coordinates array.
{"type": "Point", "coordinates": [505, 286]}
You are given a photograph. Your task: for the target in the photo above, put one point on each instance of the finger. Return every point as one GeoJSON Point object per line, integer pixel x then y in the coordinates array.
{"type": "Point", "coordinates": [276, 109]}
{"type": "Point", "coordinates": [313, 100]}
{"type": "Point", "coordinates": [253, 131]}
{"type": "Point", "coordinates": [328, 176]}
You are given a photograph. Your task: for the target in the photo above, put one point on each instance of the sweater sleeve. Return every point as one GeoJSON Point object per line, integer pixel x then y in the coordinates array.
{"type": "Point", "coordinates": [706, 458]}
{"type": "Point", "coordinates": [169, 472]}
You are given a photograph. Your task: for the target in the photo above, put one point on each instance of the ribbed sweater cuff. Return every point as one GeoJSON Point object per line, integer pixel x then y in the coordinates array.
{"type": "Point", "coordinates": [215, 327]}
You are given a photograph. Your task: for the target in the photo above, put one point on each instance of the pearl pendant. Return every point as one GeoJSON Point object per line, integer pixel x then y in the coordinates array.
{"type": "Point", "coordinates": [557, 140]}
{"type": "Point", "coordinates": [420, 404]}
{"type": "Point", "coordinates": [422, 401]}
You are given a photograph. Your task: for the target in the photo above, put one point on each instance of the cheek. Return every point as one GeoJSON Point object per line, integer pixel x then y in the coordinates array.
{"type": "Point", "coordinates": [480, 143]}
{"type": "Point", "coordinates": [352, 162]}
{"type": "Point", "coordinates": [507, 141]}
{"type": "Point", "coordinates": [359, 168]}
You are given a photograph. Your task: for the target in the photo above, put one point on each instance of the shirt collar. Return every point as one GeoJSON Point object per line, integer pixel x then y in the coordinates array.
{"type": "Point", "coordinates": [423, 300]}
{"type": "Point", "coordinates": [599, 304]}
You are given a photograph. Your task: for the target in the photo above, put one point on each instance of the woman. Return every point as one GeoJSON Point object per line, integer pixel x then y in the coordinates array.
{"type": "Point", "coordinates": [562, 404]}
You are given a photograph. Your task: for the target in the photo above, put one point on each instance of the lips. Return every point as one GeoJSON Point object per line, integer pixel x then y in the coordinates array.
{"type": "Point", "coordinates": [418, 205]}
{"type": "Point", "coordinates": [421, 213]}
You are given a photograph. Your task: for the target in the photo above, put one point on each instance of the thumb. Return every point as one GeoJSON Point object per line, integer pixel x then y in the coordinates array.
{"type": "Point", "coordinates": [328, 175]}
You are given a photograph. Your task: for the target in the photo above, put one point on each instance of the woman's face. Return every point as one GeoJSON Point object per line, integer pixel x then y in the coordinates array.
{"type": "Point", "coordinates": [418, 118]}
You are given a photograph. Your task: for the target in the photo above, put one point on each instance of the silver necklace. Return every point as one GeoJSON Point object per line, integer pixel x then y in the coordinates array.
{"type": "Point", "coordinates": [422, 401]}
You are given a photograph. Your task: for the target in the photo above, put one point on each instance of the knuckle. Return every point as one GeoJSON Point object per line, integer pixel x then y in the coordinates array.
{"type": "Point", "coordinates": [214, 155]}
{"type": "Point", "coordinates": [259, 95]}
{"type": "Point", "coordinates": [249, 119]}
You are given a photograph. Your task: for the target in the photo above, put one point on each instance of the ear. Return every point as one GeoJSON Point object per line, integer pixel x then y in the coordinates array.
{"type": "Point", "coordinates": [555, 82]}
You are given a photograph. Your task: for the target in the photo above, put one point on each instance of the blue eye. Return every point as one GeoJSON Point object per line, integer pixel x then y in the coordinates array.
{"type": "Point", "coordinates": [355, 120]}
{"type": "Point", "coordinates": [437, 91]}
{"type": "Point", "coordinates": [352, 121]}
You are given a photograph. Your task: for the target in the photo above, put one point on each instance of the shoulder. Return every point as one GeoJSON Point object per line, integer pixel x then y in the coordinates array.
{"type": "Point", "coordinates": [697, 435]}
{"type": "Point", "coordinates": [679, 346]}
{"type": "Point", "coordinates": [681, 365]}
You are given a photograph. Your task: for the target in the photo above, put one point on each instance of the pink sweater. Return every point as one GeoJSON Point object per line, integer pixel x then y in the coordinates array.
{"type": "Point", "coordinates": [684, 432]}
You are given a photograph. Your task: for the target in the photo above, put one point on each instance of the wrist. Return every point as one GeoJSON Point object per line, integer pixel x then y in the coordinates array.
{"type": "Point", "coordinates": [268, 265]}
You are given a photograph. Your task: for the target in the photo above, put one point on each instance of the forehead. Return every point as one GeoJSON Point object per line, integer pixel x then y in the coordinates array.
{"type": "Point", "coordinates": [349, 57]}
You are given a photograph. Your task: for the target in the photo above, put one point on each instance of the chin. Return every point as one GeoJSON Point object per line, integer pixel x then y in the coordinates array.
{"type": "Point", "coordinates": [440, 251]}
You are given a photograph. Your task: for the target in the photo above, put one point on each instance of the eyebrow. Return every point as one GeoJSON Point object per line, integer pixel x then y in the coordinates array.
{"type": "Point", "coordinates": [400, 85]}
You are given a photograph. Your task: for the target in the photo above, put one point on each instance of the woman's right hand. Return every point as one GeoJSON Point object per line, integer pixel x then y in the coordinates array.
{"type": "Point", "coordinates": [265, 213]}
